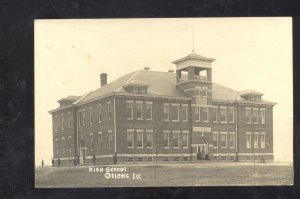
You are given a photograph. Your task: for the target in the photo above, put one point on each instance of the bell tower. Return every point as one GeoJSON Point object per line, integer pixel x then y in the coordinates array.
{"type": "Point", "coordinates": [194, 77]}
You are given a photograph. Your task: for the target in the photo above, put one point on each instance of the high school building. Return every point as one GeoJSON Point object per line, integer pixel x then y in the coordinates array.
{"type": "Point", "coordinates": [148, 116]}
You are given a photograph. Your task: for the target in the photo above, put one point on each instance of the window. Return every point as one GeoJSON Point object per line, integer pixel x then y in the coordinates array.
{"type": "Point", "coordinates": [175, 112]}
{"type": "Point", "coordinates": [83, 118]}
{"type": "Point", "coordinates": [139, 110]}
{"type": "Point", "coordinates": [109, 139]}
{"type": "Point", "coordinates": [197, 92]}
{"type": "Point", "coordinates": [149, 139]}
{"type": "Point", "coordinates": [184, 112]}
{"type": "Point", "coordinates": [129, 110]}
{"type": "Point", "coordinates": [69, 122]}
{"type": "Point", "coordinates": [79, 118]}
{"type": "Point", "coordinates": [223, 139]}
{"type": "Point", "coordinates": [91, 116]}
{"type": "Point", "coordinates": [203, 92]}
{"type": "Point", "coordinates": [248, 114]}
{"type": "Point", "coordinates": [142, 89]}
{"type": "Point", "coordinates": [166, 138]}
{"type": "Point", "coordinates": [56, 122]}
{"type": "Point", "coordinates": [166, 110]}
{"type": "Point", "coordinates": [197, 114]}
{"type": "Point", "coordinates": [63, 145]}
{"type": "Point", "coordinates": [130, 143]}
{"type": "Point", "coordinates": [215, 114]}
{"type": "Point", "coordinates": [62, 123]}
{"type": "Point", "coordinates": [232, 140]}
{"type": "Point", "coordinates": [69, 144]}
{"type": "Point", "coordinates": [223, 114]}
{"type": "Point", "coordinates": [100, 140]}
{"type": "Point", "coordinates": [135, 89]}
{"type": "Point", "coordinates": [148, 110]}
{"type": "Point", "coordinates": [185, 139]}
{"type": "Point", "coordinates": [248, 140]}
{"type": "Point", "coordinates": [92, 142]}
{"type": "Point", "coordinates": [215, 139]}
{"type": "Point", "coordinates": [56, 147]}
{"type": "Point", "coordinates": [185, 158]}
{"type": "Point", "coordinates": [262, 140]}
{"type": "Point", "coordinates": [255, 115]}
{"type": "Point", "coordinates": [204, 113]}
{"type": "Point", "coordinates": [99, 114]}
{"type": "Point", "coordinates": [175, 136]}
{"type": "Point", "coordinates": [255, 141]}
{"type": "Point", "coordinates": [262, 113]}
{"type": "Point", "coordinates": [139, 138]}
{"type": "Point", "coordinates": [109, 110]}
{"type": "Point", "coordinates": [150, 159]}
{"type": "Point", "coordinates": [231, 114]}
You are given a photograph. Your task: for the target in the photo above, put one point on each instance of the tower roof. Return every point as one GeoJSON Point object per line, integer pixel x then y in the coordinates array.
{"type": "Point", "coordinates": [250, 92]}
{"type": "Point", "coordinates": [194, 56]}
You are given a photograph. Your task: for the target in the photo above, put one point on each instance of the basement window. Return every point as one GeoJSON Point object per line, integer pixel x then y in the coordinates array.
{"type": "Point", "coordinates": [140, 159]}
{"type": "Point", "coordinates": [130, 159]}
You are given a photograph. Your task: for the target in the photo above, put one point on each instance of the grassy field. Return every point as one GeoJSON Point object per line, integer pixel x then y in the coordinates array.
{"type": "Point", "coordinates": [189, 174]}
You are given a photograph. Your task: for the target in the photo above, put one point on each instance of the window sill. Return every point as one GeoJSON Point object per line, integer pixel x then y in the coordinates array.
{"type": "Point", "coordinates": [165, 120]}
{"type": "Point", "coordinates": [149, 147]}
{"type": "Point", "coordinates": [130, 147]}
{"type": "Point", "coordinates": [140, 147]}
{"type": "Point", "coordinates": [176, 148]}
{"type": "Point", "coordinates": [100, 122]}
{"type": "Point", "coordinates": [139, 118]}
{"type": "Point", "coordinates": [166, 147]}
{"type": "Point", "coordinates": [149, 119]}
{"type": "Point", "coordinates": [175, 120]}
{"type": "Point", "coordinates": [186, 147]}
{"type": "Point", "coordinates": [129, 118]}
{"type": "Point", "coordinates": [215, 147]}
{"type": "Point", "coordinates": [232, 147]}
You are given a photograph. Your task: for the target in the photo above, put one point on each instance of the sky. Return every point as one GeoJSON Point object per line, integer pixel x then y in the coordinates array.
{"type": "Point", "coordinates": [250, 53]}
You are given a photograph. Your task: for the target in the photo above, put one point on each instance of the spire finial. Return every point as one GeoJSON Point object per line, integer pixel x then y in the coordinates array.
{"type": "Point", "coordinates": [193, 38]}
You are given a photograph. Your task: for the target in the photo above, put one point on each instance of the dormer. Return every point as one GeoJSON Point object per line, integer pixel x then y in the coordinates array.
{"type": "Point", "coordinates": [67, 100]}
{"type": "Point", "coordinates": [193, 67]}
{"type": "Point", "coordinates": [251, 95]}
{"type": "Point", "coordinates": [136, 86]}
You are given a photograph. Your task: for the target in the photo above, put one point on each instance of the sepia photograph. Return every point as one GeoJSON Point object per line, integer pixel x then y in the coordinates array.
{"type": "Point", "coordinates": [163, 102]}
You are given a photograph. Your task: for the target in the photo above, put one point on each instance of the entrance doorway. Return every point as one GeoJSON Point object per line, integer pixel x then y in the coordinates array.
{"type": "Point", "coordinates": [82, 152]}
{"type": "Point", "coordinates": [202, 152]}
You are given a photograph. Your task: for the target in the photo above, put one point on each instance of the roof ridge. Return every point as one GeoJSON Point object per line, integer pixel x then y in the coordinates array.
{"type": "Point", "coordinates": [135, 74]}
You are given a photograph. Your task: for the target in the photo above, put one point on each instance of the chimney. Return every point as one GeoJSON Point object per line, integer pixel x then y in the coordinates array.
{"type": "Point", "coordinates": [170, 70]}
{"type": "Point", "coordinates": [146, 68]}
{"type": "Point", "coordinates": [103, 79]}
